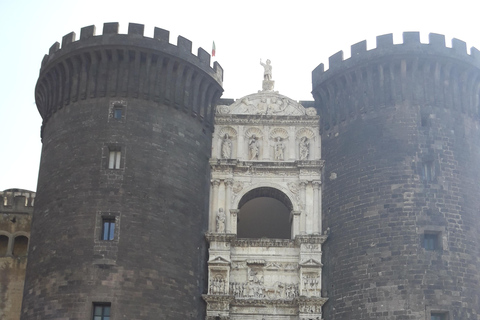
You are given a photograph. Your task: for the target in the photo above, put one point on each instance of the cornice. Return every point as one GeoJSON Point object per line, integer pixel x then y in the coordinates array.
{"type": "Point", "coordinates": [264, 242]}
{"type": "Point", "coordinates": [220, 237]}
{"type": "Point", "coordinates": [310, 239]}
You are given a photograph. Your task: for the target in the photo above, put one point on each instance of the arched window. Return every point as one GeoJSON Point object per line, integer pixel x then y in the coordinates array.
{"type": "Point", "coordinates": [20, 246]}
{"type": "Point", "coordinates": [264, 213]}
{"type": "Point", "coordinates": [3, 245]}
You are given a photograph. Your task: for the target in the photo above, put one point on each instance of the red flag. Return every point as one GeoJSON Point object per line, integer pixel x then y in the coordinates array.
{"type": "Point", "coordinates": [213, 49]}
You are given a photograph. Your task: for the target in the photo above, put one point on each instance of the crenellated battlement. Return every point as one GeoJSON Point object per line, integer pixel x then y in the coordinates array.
{"type": "Point", "coordinates": [16, 200]}
{"type": "Point", "coordinates": [385, 46]}
{"type": "Point", "coordinates": [110, 36]}
{"type": "Point", "coordinates": [128, 65]}
{"type": "Point", "coordinates": [427, 74]}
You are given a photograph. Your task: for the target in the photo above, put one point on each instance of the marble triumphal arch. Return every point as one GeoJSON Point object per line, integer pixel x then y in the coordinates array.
{"type": "Point", "coordinates": [265, 224]}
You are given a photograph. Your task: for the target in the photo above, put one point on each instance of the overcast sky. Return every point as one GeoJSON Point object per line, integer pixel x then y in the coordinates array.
{"type": "Point", "coordinates": [295, 35]}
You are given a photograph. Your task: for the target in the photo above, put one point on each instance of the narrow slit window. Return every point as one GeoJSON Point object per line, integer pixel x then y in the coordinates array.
{"type": "Point", "coordinates": [428, 172]}
{"type": "Point", "coordinates": [114, 159]}
{"type": "Point", "coordinates": [108, 229]}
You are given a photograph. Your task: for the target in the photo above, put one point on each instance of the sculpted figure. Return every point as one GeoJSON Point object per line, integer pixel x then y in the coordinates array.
{"type": "Point", "coordinates": [304, 148]}
{"type": "Point", "coordinates": [262, 107]}
{"type": "Point", "coordinates": [253, 148]}
{"type": "Point", "coordinates": [267, 73]}
{"type": "Point", "coordinates": [226, 147]}
{"type": "Point", "coordinates": [279, 149]}
{"type": "Point", "coordinates": [220, 221]}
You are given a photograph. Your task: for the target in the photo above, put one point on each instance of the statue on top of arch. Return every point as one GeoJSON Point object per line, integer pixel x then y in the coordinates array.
{"type": "Point", "coordinates": [268, 83]}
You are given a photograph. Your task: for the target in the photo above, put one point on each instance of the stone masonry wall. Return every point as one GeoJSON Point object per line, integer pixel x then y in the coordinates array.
{"type": "Point", "coordinates": [155, 267]}
{"type": "Point", "coordinates": [401, 147]}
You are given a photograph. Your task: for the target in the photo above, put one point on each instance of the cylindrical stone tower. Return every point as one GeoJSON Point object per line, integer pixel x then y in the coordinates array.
{"type": "Point", "coordinates": [122, 196]}
{"type": "Point", "coordinates": [401, 143]}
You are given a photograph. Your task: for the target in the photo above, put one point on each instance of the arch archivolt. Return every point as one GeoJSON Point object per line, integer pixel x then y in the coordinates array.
{"type": "Point", "coordinates": [277, 186]}
{"type": "Point", "coordinates": [21, 233]}
{"type": "Point", "coordinates": [232, 133]}
{"type": "Point", "coordinates": [253, 131]}
{"type": "Point", "coordinates": [278, 132]}
{"type": "Point", "coordinates": [305, 132]}
{"type": "Point", "coordinates": [5, 233]}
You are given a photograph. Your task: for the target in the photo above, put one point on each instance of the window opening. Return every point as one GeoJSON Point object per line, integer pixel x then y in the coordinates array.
{"type": "Point", "coordinates": [108, 229]}
{"type": "Point", "coordinates": [117, 113]}
{"type": "Point", "coordinates": [428, 172]}
{"type": "Point", "coordinates": [20, 246]}
{"type": "Point", "coordinates": [430, 241]}
{"type": "Point", "coordinates": [438, 316]}
{"type": "Point", "coordinates": [101, 311]}
{"type": "Point", "coordinates": [3, 245]}
{"type": "Point", "coordinates": [114, 159]}
{"type": "Point", "coordinates": [425, 120]}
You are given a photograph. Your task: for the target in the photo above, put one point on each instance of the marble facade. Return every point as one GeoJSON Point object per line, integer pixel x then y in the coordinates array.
{"type": "Point", "coordinates": [265, 141]}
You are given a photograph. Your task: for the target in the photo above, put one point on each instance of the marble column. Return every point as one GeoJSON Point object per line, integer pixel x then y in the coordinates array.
{"type": "Point", "coordinates": [292, 154]}
{"type": "Point", "coordinates": [241, 144]}
{"type": "Point", "coordinates": [318, 147]}
{"type": "Point", "coordinates": [213, 214]}
{"type": "Point", "coordinates": [267, 145]}
{"type": "Point", "coordinates": [233, 220]}
{"type": "Point", "coordinates": [228, 199]}
{"type": "Point", "coordinates": [317, 218]}
{"type": "Point", "coordinates": [295, 223]}
{"type": "Point", "coordinates": [303, 216]}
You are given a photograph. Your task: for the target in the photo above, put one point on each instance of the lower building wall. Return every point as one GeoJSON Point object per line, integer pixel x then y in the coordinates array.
{"type": "Point", "coordinates": [12, 278]}
{"type": "Point", "coordinates": [16, 209]}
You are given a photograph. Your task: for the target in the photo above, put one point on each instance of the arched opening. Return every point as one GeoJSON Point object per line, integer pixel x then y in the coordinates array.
{"type": "Point", "coordinates": [264, 213]}
{"type": "Point", "coordinates": [20, 246]}
{"type": "Point", "coordinates": [3, 245]}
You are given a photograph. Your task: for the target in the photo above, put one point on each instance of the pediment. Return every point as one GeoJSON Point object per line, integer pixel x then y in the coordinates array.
{"type": "Point", "coordinates": [311, 263]}
{"type": "Point", "coordinates": [219, 261]}
{"type": "Point", "coordinates": [266, 103]}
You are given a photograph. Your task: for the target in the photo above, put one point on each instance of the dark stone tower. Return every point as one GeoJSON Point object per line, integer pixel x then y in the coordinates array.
{"type": "Point", "coordinates": [401, 143]}
{"type": "Point", "coordinates": [127, 131]}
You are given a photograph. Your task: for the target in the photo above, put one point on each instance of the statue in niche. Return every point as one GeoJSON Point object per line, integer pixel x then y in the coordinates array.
{"type": "Point", "coordinates": [253, 148]}
{"type": "Point", "coordinates": [267, 73]}
{"type": "Point", "coordinates": [304, 148]}
{"type": "Point", "coordinates": [226, 147]}
{"type": "Point", "coordinates": [279, 149]}
{"type": "Point", "coordinates": [220, 221]}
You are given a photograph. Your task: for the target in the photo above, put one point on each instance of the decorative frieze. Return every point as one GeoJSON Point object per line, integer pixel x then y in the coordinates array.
{"type": "Point", "coordinates": [249, 290]}
{"type": "Point", "coordinates": [264, 242]}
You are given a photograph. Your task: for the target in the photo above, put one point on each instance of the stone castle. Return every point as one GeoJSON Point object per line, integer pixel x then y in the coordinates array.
{"type": "Point", "coordinates": [157, 199]}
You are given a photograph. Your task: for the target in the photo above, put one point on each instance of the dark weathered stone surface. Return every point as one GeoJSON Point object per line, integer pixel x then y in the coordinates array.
{"type": "Point", "coordinates": [385, 112]}
{"type": "Point", "coordinates": [156, 266]}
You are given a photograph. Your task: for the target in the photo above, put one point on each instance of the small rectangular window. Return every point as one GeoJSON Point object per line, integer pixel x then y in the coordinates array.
{"type": "Point", "coordinates": [101, 311]}
{"type": "Point", "coordinates": [117, 113]}
{"type": "Point", "coordinates": [428, 172]}
{"type": "Point", "coordinates": [438, 316]}
{"type": "Point", "coordinates": [108, 229]}
{"type": "Point", "coordinates": [425, 120]}
{"type": "Point", "coordinates": [114, 159]}
{"type": "Point", "coordinates": [430, 241]}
